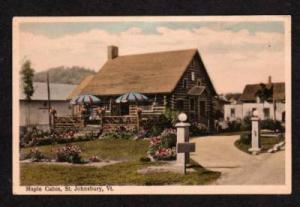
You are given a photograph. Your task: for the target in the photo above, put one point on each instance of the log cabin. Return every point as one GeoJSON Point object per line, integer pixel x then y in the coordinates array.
{"type": "Point", "coordinates": [174, 80]}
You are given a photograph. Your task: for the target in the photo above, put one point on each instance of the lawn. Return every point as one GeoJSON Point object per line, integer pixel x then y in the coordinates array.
{"type": "Point", "coordinates": [266, 144]}
{"type": "Point", "coordinates": [122, 173]}
{"type": "Point", "coordinates": [118, 149]}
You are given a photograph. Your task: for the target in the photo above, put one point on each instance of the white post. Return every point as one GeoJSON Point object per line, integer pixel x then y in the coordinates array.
{"type": "Point", "coordinates": [255, 134]}
{"type": "Point", "coordinates": [183, 147]}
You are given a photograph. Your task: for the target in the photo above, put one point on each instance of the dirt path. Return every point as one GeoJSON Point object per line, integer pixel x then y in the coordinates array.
{"type": "Point", "coordinates": [91, 164]}
{"type": "Point", "coordinates": [219, 153]}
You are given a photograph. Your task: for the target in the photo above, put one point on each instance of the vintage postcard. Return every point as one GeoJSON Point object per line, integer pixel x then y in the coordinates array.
{"type": "Point", "coordinates": [152, 105]}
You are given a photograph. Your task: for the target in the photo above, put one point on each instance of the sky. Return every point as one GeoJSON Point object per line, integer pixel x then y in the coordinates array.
{"type": "Point", "coordinates": [234, 53]}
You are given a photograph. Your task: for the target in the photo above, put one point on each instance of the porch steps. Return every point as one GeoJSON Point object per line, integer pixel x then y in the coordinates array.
{"type": "Point", "coordinates": [94, 130]}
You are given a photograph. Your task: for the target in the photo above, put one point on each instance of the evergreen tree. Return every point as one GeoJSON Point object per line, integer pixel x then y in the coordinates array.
{"type": "Point", "coordinates": [27, 76]}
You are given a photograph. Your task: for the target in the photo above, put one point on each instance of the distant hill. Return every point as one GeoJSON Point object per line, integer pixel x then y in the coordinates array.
{"type": "Point", "coordinates": [61, 74]}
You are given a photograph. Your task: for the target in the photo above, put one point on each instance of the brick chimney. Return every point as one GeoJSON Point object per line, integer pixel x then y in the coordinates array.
{"type": "Point", "coordinates": [270, 80]}
{"type": "Point", "coordinates": [112, 52]}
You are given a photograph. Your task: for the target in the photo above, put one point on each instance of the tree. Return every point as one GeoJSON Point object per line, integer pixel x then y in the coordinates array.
{"type": "Point", "coordinates": [264, 94]}
{"type": "Point", "coordinates": [27, 73]}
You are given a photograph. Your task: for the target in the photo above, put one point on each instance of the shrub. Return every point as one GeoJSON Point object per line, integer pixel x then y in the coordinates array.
{"type": "Point", "coordinates": [198, 129]}
{"type": "Point", "coordinates": [168, 138]}
{"type": "Point", "coordinates": [35, 155]}
{"type": "Point", "coordinates": [246, 123]}
{"type": "Point", "coordinates": [163, 147]}
{"type": "Point", "coordinates": [63, 136]}
{"type": "Point", "coordinates": [245, 138]}
{"type": "Point", "coordinates": [42, 141]}
{"type": "Point", "coordinates": [119, 133]}
{"type": "Point", "coordinates": [271, 125]}
{"type": "Point", "coordinates": [155, 125]}
{"type": "Point", "coordinates": [69, 153]}
{"type": "Point", "coordinates": [171, 115]}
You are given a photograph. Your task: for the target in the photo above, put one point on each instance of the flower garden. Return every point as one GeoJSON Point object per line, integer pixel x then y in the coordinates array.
{"type": "Point", "coordinates": [55, 152]}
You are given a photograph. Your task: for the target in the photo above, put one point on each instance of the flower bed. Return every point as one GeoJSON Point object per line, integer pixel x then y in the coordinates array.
{"type": "Point", "coordinates": [69, 153]}
{"type": "Point", "coordinates": [38, 137]}
{"type": "Point", "coordinates": [121, 132]}
{"type": "Point", "coordinates": [163, 147]}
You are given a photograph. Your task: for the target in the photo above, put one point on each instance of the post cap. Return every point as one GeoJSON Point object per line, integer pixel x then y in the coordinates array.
{"type": "Point", "coordinates": [255, 113]}
{"type": "Point", "coordinates": [182, 117]}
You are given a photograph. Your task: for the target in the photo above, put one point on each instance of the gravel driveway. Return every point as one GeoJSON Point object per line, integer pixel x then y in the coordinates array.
{"type": "Point", "coordinates": [219, 153]}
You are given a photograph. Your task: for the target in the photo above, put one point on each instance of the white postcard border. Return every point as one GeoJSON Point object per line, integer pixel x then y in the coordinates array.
{"type": "Point", "coordinates": [116, 190]}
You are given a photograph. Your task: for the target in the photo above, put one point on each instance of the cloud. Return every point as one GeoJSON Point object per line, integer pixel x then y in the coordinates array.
{"type": "Point", "coordinates": [233, 59]}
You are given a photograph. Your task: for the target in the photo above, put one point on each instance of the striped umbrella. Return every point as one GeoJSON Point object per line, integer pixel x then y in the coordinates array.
{"type": "Point", "coordinates": [131, 97]}
{"type": "Point", "coordinates": [85, 99]}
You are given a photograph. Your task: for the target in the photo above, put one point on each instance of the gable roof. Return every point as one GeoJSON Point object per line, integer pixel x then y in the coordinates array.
{"type": "Point", "coordinates": [144, 73]}
{"type": "Point", "coordinates": [250, 91]}
{"type": "Point", "coordinates": [58, 91]}
{"type": "Point", "coordinates": [80, 87]}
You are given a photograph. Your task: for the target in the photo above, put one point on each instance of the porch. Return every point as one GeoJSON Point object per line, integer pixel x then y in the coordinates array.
{"type": "Point", "coordinates": [106, 120]}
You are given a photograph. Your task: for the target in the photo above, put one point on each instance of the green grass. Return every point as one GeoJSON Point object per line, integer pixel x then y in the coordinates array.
{"type": "Point", "coordinates": [118, 149]}
{"type": "Point", "coordinates": [124, 173]}
{"type": "Point", "coordinates": [266, 144]}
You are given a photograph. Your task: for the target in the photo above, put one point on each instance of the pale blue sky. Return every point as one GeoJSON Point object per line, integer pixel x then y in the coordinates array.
{"type": "Point", "coordinates": [57, 29]}
{"type": "Point", "coordinates": [244, 52]}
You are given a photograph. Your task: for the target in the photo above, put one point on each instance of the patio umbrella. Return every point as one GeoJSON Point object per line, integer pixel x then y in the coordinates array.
{"type": "Point", "coordinates": [131, 97]}
{"type": "Point", "coordinates": [85, 99]}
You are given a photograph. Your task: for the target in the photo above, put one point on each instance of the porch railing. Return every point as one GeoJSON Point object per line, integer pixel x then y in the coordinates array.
{"type": "Point", "coordinates": [119, 120]}
{"type": "Point", "coordinates": [66, 122]}
{"type": "Point", "coordinates": [153, 110]}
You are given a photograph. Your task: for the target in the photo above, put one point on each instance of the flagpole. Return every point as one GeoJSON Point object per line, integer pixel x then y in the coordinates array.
{"type": "Point", "coordinates": [49, 102]}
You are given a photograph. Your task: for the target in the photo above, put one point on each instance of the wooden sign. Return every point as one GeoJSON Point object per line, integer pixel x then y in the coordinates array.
{"type": "Point", "coordinates": [186, 147]}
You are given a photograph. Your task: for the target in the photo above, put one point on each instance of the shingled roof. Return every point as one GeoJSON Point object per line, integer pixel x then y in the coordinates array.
{"type": "Point", "coordinates": [80, 87]}
{"type": "Point", "coordinates": [145, 73]}
{"type": "Point", "coordinates": [250, 91]}
{"type": "Point", "coordinates": [58, 91]}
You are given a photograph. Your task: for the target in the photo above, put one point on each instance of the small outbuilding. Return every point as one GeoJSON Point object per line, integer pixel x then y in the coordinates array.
{"type": "Point", "coordinates": [36, 112]}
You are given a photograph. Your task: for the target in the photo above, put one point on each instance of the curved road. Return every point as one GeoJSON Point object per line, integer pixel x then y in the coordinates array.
{"type": "Point", "coordinates": [218, 153]}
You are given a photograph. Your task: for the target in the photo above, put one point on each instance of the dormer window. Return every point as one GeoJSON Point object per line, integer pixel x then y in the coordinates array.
{"type": "Point", "coordinates": [184, 83]}
{"type": "Point", "coordinates": [199, 82]}
{"type": "Point", "coordinates": [193, 76]}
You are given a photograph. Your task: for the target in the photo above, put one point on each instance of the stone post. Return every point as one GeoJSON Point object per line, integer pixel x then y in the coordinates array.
{"type": "Point", "coordinates": [255, 134]}
{"type": "Point", "coordinates": [183, 146]}
{"type": "Point", "coordinates": [138, 117]}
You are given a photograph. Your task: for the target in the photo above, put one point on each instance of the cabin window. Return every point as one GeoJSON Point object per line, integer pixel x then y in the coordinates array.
{"type": "Point", "coordinates": [267, 113]}
{"type": "Point", "coordinates": [184, 83]}
{"type": "Point", "coordinates": [202, 108]}
{"type": "Point", "coordinates": [199, 82]}
{"type": "Point", "coordinates": [192, 104]}
{"type": "Point", "coordinates": [193, 76]}
{"type": "Point", "coordinates": [232, 112]}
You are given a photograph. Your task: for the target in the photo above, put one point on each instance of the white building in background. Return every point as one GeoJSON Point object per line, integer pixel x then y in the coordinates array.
{"type": "Point", "coordinates": [35, 112]}
{"type": "Point", "coordinates": [272, 108]}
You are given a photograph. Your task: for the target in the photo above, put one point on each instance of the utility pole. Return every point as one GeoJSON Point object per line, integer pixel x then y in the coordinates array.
{"type": "Point", "coordinates": [49, 102]}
